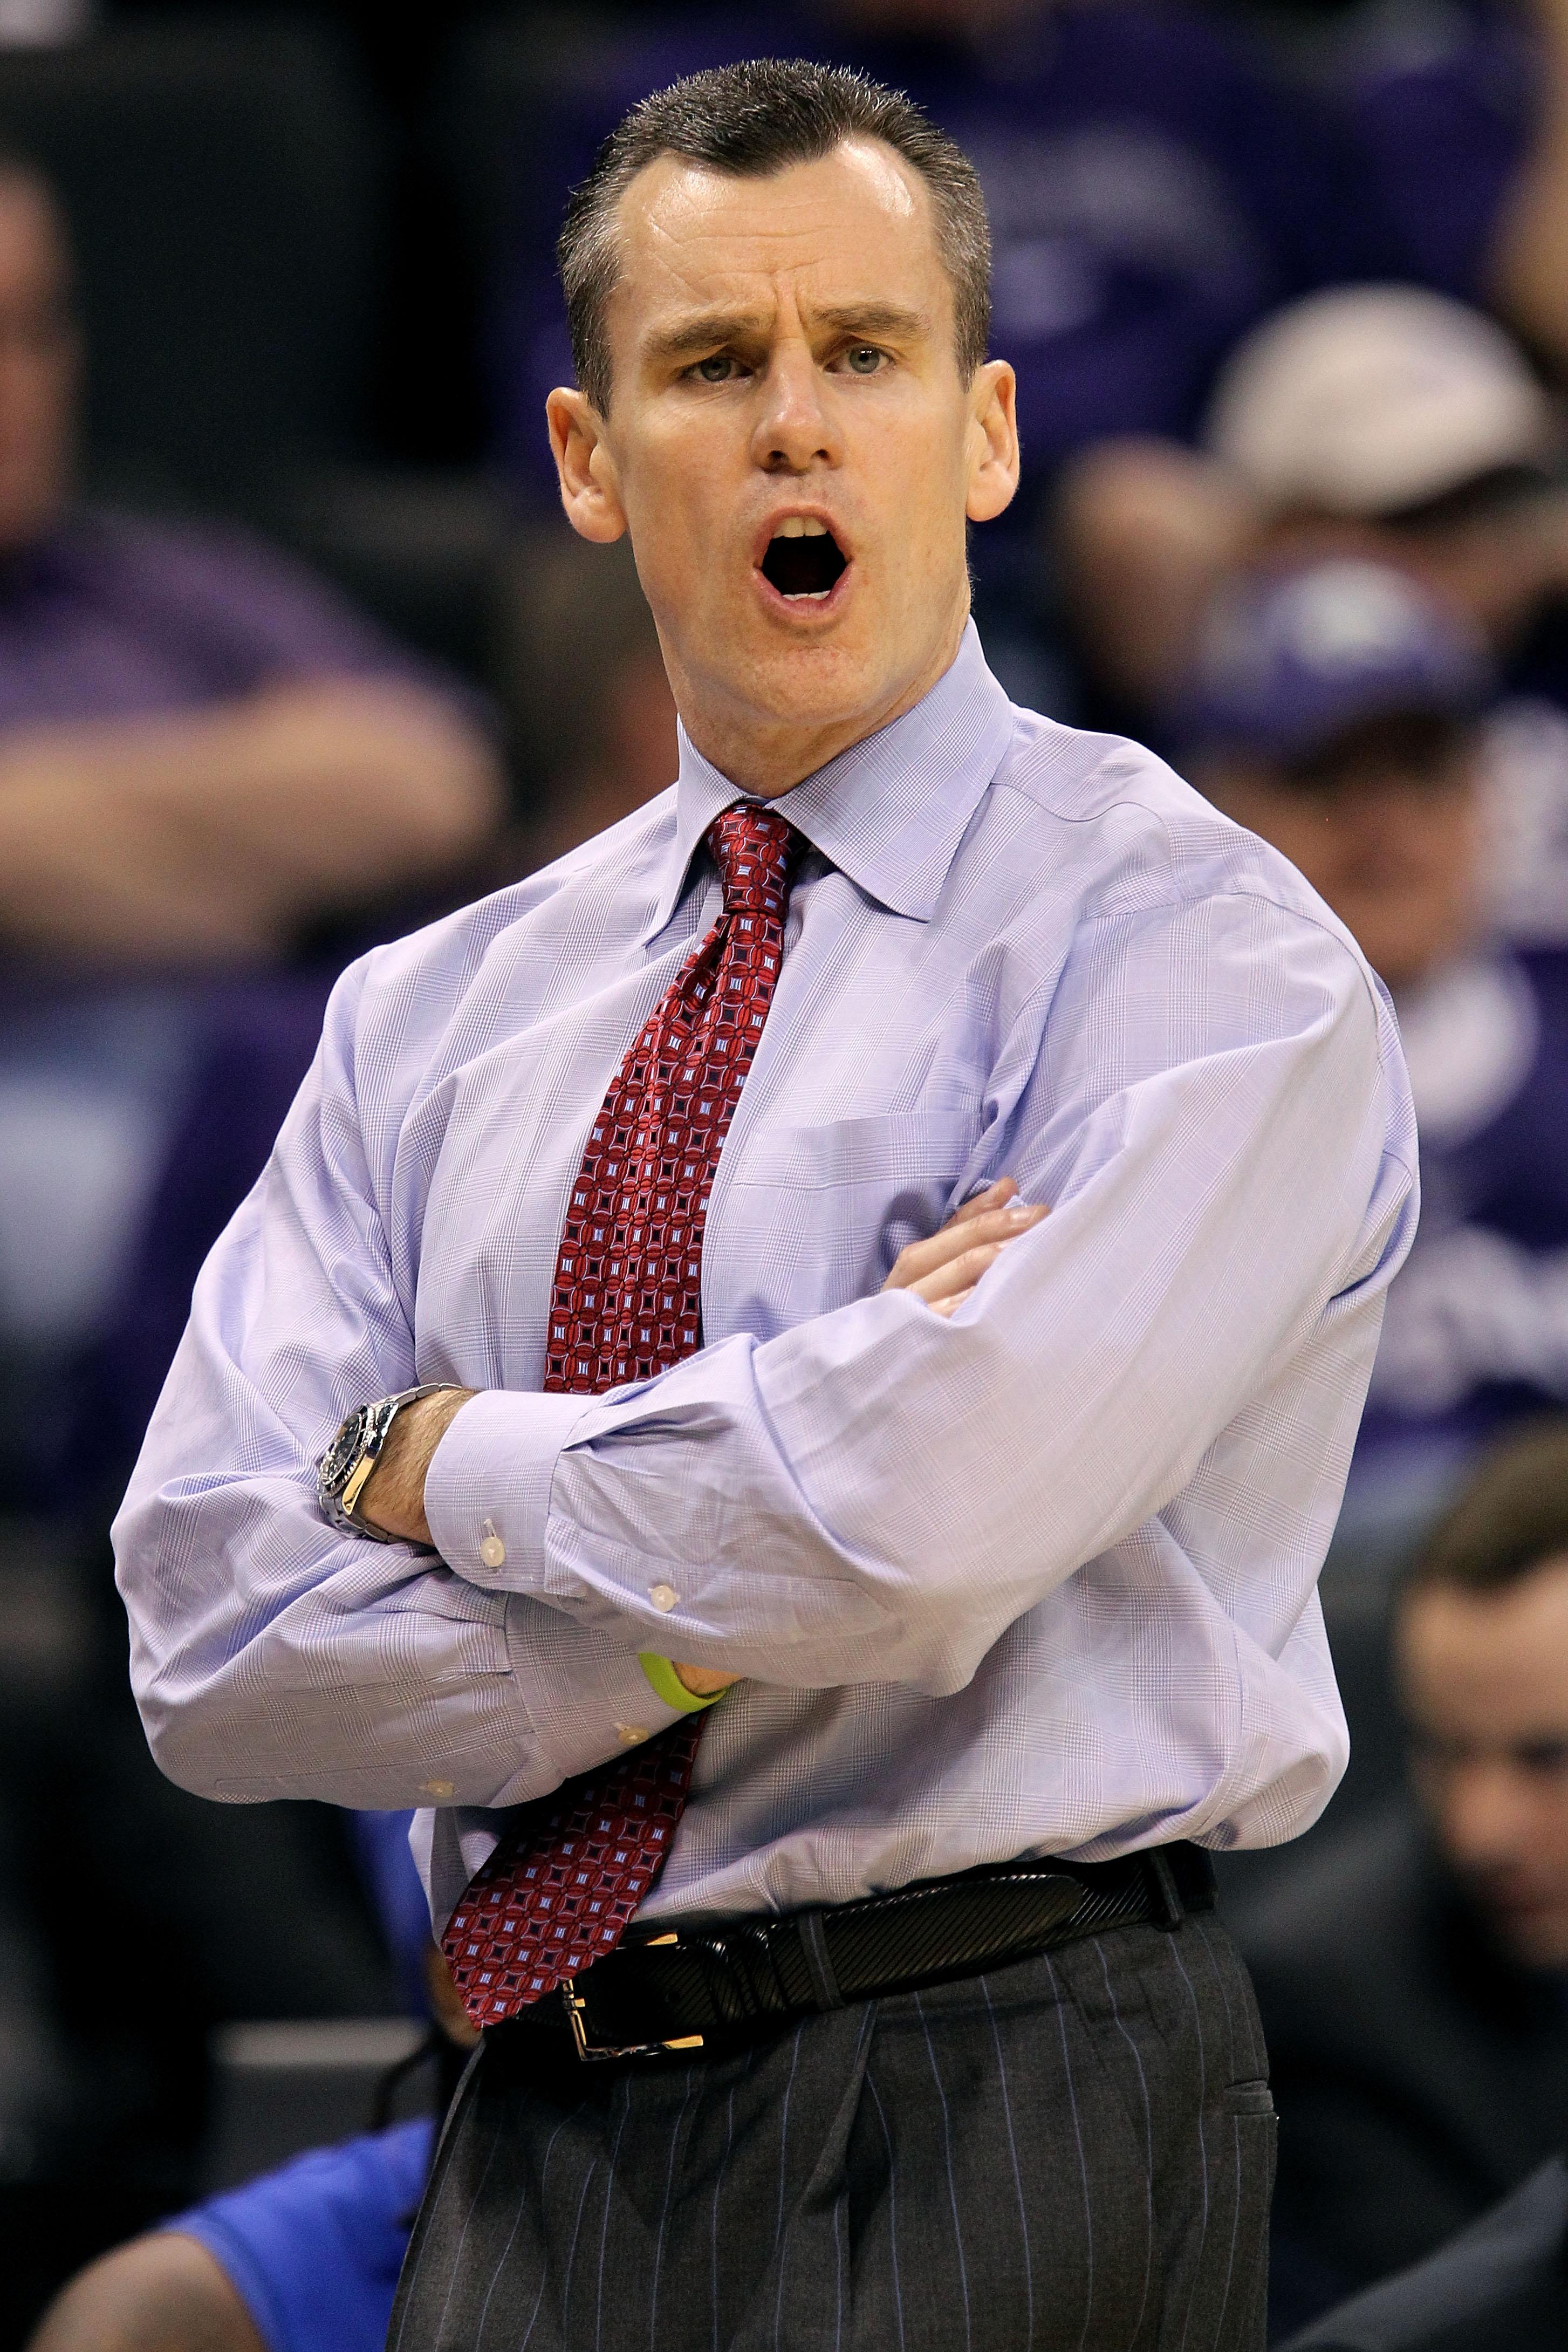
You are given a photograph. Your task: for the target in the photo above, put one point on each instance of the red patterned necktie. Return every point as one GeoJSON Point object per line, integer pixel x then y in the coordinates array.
{"type": "Point", "coordinates": [558, 1890]}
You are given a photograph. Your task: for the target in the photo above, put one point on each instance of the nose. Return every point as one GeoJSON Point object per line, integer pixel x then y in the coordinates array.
{"type": "Point", "coordinates": [795, 427]}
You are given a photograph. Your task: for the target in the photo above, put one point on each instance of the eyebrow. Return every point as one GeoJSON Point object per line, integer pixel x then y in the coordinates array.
{"type": "Point", "coordinates": [692, 337]}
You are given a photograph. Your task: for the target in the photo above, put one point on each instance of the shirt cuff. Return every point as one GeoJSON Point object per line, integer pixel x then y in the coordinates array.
{"type": "Point", "coordinates": [487, 1489]}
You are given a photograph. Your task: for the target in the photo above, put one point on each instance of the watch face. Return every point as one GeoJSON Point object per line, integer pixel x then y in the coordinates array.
{"type": "Point", "coordinates": [341, 1455]}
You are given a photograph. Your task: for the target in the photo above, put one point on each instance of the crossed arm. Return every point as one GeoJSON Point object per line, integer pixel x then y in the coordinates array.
{"type": "Point", "coordinates": [1226, 1204]}
{"type": "Point", "coordinates": [942, 1270]}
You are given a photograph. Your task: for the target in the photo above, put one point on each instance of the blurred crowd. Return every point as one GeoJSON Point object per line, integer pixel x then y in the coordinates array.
{"type": "Point", "coordinates": [296, 652]}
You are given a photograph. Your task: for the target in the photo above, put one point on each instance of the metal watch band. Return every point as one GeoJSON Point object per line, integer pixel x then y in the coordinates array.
{"type": "Point", "coordinates": [344, 1472]}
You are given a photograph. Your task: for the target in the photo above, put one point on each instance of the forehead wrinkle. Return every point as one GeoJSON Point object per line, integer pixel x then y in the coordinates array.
{"type": "Point", "coordinates": [701, 333]}
{"type": "Point", "coordinates": [714, 326]}
{"type": "Point", "coordinates": [675, 223]}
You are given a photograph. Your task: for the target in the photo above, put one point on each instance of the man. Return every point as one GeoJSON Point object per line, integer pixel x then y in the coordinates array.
{"type": "Point", "coordinates": [1152, 190]}
{"type": "Point", "coordinates": [1413, 1980]}
{"type": "Point", "coordinates": [1338, 710]}
{"type": "Point", "coordinates": [890, 2008]}
{"type": "Point", "coordinates": [200, 751]}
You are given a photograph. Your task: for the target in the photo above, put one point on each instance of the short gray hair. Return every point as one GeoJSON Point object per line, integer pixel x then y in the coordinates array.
{"type": "Point", "coordinates": [750, 120]}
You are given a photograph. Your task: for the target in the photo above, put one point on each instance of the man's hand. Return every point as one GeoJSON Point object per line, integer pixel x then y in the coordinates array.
{"type": "Point", "coordinates": [392, 1497]}
{"type": "Point", "coordinates": [945, 1270]}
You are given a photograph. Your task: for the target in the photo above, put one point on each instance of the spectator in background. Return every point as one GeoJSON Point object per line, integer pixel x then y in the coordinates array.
{"type": "Point", "coordinates": [1377, 421]}
{"type": "Point", "coordinates": [202, 755]}
{"type": "Point", "coordinates": [1413, 1976]}
{"type": "Point", "coordinates": [1337, 710]}
{"type": "Point", "coordinates": [1397, 423]}
{"type": "Point", "coordinates": [201, 750]}
{"type": "Point", "coordinates": [306, 2258]}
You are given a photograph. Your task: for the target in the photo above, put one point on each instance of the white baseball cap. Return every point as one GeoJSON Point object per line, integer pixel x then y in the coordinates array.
{"type": "Point", "coordinates": [1365, 399]}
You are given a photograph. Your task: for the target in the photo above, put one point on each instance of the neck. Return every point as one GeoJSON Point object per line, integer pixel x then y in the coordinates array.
{"type": "Point", "coordinates": [768, 756]}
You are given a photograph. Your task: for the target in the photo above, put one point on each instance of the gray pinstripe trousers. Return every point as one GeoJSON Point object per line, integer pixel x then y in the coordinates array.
{"type": "Point", "coordinates": [1075, 2152]}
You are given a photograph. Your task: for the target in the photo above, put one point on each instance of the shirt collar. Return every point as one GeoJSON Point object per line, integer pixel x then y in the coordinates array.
{"type": "Point", "coordinates": [890, 812]}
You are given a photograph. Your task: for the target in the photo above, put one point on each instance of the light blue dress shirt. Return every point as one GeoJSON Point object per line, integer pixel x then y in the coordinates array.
{"type": "Point", "coordinates": [1041, 1578]}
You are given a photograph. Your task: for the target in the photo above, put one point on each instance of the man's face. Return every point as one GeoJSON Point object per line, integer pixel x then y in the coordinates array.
{"type": "Point", "coordinates": [791, 447]}
{"type": "Point", "coordinates": [38, 365]}
{"type": "Point", "coordinates": [1397, 856]}
{"type": "Point", "coordinates": [1484, 1683]}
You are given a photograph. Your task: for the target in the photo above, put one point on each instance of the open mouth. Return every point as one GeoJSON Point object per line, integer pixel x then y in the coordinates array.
{"type": "Point", "coordinates": [803, 559]}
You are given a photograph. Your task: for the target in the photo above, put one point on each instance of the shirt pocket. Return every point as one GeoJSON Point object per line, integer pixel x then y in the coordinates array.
{"type": "Point", "coordinates": [818, 1214]}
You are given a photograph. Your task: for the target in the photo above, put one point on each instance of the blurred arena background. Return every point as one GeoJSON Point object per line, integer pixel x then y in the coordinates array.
{"type": "Point", "coordinates": [296, 652]}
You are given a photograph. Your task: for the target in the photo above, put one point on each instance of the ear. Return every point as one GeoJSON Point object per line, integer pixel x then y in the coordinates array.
{"type": "Point", "coordinates": [589, 485]}
{"type": "Point", "coordinates": [993, 441]}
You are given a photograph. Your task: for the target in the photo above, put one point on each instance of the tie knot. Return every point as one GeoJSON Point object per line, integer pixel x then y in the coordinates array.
{"type": "Point", "coordinates": [756, 852]}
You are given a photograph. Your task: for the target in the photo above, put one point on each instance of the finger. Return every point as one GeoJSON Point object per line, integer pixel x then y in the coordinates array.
{"type": "Point", "coordinates": [922, 1258]}
{"type": "Point", "coordinates": [962, 1273]}
{"type": "Point", "coordinates": [945, 1307]}
{"type": "Point", "coordinates": [994, 1196]}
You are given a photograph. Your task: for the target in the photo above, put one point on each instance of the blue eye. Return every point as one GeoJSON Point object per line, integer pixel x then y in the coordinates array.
{"type": "Point", "coordinates": [865, 358]}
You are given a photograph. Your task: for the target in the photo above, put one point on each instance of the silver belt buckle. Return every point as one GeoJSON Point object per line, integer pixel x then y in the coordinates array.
{"type": "Point", "coordinates": [577, 2013]}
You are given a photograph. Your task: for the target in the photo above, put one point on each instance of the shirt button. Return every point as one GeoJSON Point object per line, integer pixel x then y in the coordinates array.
{"type": "Point", "coordinates": [663, 1596]}
{"type": "Point", "coordinates": [631, 1735]}
{"type": "Point", "coordinates": [492, 1550]}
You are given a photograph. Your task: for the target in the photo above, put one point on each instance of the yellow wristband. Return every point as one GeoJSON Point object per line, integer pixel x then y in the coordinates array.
{"type": "Point", "coordinates": [668, 1686]}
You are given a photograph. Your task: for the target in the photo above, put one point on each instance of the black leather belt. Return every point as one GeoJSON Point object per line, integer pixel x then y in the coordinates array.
{"type": "Point", "coordinates": [692, 1988]}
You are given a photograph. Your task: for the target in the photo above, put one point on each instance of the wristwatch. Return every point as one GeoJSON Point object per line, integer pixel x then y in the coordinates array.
{"type": "Point", "coordinates": [344, 1469]}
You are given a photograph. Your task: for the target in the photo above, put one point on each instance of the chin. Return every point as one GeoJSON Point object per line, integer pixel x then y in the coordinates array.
{"type": "Point", "coordinates": [812, 683]}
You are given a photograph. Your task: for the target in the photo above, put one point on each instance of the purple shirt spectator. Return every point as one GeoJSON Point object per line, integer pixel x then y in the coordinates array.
{"type": "Point", "coordinates": [1152, 193]}
{"type": "Point", "coordinates": [108, 617]}
{"type": "Point", "coordinates": [111, 617]}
